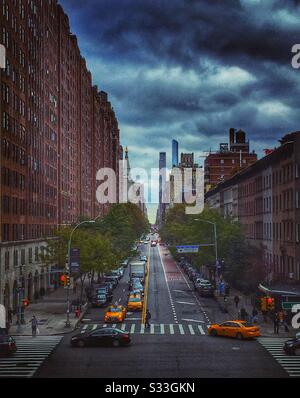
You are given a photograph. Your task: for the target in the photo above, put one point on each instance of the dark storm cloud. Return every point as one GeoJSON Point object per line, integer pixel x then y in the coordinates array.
{"type": "Point", "coordinates": [192, 69]}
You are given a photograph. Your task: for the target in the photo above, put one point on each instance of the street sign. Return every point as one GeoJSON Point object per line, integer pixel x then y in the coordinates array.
{"type": "Point", "coordinates": [187, 249]}
{"type": "Point", "coordinates": [75, 260]}
{"type": "Point", "coordinates": [287, 305]}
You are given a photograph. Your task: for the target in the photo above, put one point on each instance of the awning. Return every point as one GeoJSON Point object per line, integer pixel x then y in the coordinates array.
{"type": "Point", "coordinates": [276, 292]}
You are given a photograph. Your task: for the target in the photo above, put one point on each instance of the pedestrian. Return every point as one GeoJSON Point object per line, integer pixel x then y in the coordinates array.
{"type": "Point", "coordinates": [227, 289]}
{"type": "Point", "coordinates": [34, 324]}
{"type": "Point", "coordinates": [254, 315]}
{"type": "Point", "coordinates": [147, 319]}
{"type": "Point", "coordinates": [282, 320]}
{"type": "Point", "coordinates": [276, 322]}
{"type": "Point", "coordinates": [236, 301]}
{"type": "Point", "coordinates": [244, 314]}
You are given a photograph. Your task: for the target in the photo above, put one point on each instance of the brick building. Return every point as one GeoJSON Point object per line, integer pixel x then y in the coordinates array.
{"type": "Point", "coordinates": [264, 197]}
{"type": "Point", "coordinates": [221, 165]}
{"type": "Point", "coordinates": [57, 130]}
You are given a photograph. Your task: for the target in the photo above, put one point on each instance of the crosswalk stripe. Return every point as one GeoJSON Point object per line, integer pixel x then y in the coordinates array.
{"type": "Point", "coordinates": [31, 353]}
{"type": "Point", "coordinates": [191, 329]}
{"type": "Point", "coordinates": [123, 327]}
{"type": "Point", "coordinates": [161, 329]}
{"type": "Point", "coordinates": [114, 325]}
{"type": "Point", "coordinates": [181, 329]}
{"type": "Point", "coordinates": [290, 364]}
{"type": "Point", "coordinates": [132, 329]}
{"type": "Point", "coordinates": [201, 329]}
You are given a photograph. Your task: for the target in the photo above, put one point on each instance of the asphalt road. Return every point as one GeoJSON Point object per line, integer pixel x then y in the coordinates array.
{"type": "Point", "coordinates": [177, 346]}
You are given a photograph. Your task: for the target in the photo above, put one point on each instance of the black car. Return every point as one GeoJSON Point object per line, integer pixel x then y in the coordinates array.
{"type": "Point", "coordinates": [292, 347]}
{"type": "Point", "coordinates": [101, 337]}
{"type": "Point", "coordinates": [113, 279]}
{"type": "Point", "coordinates": [7, 345]}
{"type": "Point", "coordinates": [205, 290]}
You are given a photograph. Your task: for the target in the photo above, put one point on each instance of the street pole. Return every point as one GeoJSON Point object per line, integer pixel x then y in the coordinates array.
{"type": "Point", "coordinates": [68, 268]}
{"type": "Point", "coordinates": [215, 237]}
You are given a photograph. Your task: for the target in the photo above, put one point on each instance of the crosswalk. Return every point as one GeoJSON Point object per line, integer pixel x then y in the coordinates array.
{"type": "Point", "coordinates": [31, 353]}
{"type": "Point", "coordinates": [290, 363]}
{"type": "Point", "coordinates": [155, 329]}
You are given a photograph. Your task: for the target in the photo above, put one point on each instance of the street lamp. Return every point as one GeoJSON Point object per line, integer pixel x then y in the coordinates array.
{"type": "Point", "coordinates": [68, 324]}
{"type": "Point", "coordinates": [215, 235]}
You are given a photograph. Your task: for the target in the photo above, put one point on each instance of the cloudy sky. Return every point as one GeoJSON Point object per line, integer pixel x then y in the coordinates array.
{"type": "Point", "coordinates": [191, 69]}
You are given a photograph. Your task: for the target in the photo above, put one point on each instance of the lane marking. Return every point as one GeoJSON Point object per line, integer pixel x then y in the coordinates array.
{"type": "Point", "coordinates": [152, 329]}
{"type": "Point", "coordinates": [142, 329]}
{"type": "Point", "coordinates": [192, 320]}
{"type": "Point", "coordinates": [171, 329]}
{"type": "Point", "coordinates": [183, 302]}
{"type": "Point", "coordinates": [94, 327]}
{"type": "Point", "coordinates": [162, 328]}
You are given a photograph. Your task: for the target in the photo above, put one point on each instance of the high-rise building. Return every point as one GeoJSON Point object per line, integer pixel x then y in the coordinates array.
{"type": "Point", "coordinates": [174, 153]}
{"type": "Point", "coordinates": [223, 164]}
{"type": "Point", "coordinates": [265, 199]}
{"type": "Point", "coordinates": [162, 186]}
{"type": "Point", "coordinates": [57, 131]}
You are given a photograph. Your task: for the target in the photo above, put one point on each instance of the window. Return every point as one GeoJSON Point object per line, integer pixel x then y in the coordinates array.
{"type": "Point", "coordinates": [6, 261]}
{"type": "Point", "coordinates": [16, 258]}
{"type": "Point", "coordinates": [23, 257]}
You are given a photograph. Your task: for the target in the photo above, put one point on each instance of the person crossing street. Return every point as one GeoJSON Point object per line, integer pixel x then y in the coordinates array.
{"type": "Point", "coordinates": [147, 319]}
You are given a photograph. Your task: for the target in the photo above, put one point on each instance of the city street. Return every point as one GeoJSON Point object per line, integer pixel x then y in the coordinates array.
{"type": "Point", "coordinates": [176, 345]}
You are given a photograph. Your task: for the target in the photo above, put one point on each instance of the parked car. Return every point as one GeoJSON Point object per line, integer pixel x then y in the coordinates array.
{"type": "Point", "coordinates": [7, 345]}
{"type": "Point", "coordinates": [292, 347]}
{"type": "Point", "coordinates": [124, 263]}
{"type": "Point", "coordinates": [143, 258]}
{"type": "Point", "coordinates": [101, 337]}
{"type": "Point", "coordinates": [113, 279]}
{"type": "Point", "coordinates": [205, 289]}
{"type": "Point", "coordinates": [115, 272]}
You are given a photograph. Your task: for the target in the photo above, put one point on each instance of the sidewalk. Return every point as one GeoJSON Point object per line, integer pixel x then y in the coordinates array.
{"type": "Point", "coordinates": [50, 313]}
{"type": "Point", "coordinates": [266, 328]}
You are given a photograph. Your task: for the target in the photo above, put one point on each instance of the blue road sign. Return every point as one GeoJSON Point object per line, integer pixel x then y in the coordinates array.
{"type": "Point", "coordinates": [75, 260]}
{"type": "Point", "coordinates": [187, 249]}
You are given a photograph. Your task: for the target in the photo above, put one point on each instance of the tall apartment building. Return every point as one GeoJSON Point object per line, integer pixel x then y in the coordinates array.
{"type": "Point", "coordinates": [230, 158]}
{"type": "Point", "coordinates": [265, 198]}
{"type": "Point", "coordinates": [57, 130]}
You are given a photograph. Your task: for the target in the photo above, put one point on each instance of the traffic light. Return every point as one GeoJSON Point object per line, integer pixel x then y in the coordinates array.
{"type": "Point", "coordinates": [263, 303]}
{"type": "Point", "coordinates": [25, 303]}
{"type": "Point", "coordinates": [63, 280]}
{"type": "Point", "coordinates": [67, 281]}
{"type": "Point", "coordinates": [270, 303]}
{"type": "Point", "coordinates": [267, 303]}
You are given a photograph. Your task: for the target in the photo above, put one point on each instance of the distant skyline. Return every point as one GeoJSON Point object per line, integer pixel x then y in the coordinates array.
{"type": "Point", "coordinates": [190, 70]}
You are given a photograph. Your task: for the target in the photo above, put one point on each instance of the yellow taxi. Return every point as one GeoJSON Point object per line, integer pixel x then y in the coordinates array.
{"type": "Point", "coordinates": [238, 329]}
{"type": "Point", "coordinates": [115, 314]}
{"type": "Point", "coordinates": [135, 302]}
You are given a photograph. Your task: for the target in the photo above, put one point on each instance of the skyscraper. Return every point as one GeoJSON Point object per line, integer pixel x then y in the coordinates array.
{"type": "Point", "coordinates": [174, 153]}
{"type": "Point", "coordinates": [162, 180]}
